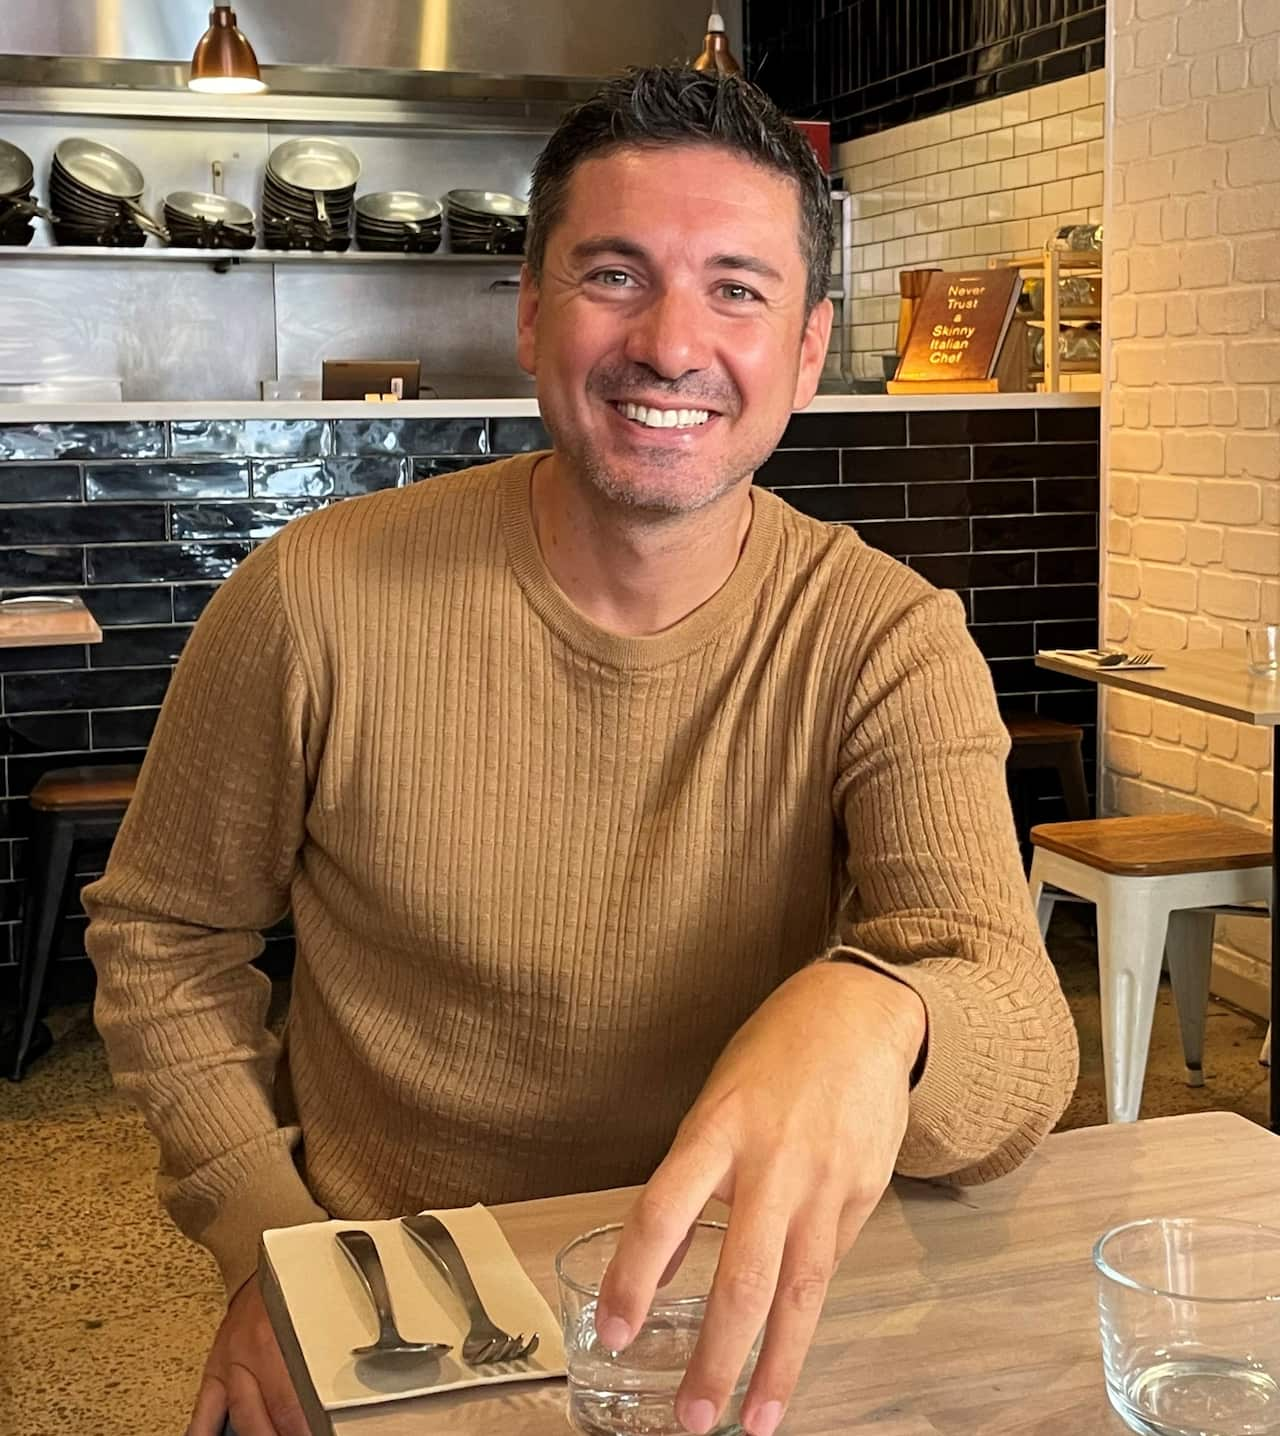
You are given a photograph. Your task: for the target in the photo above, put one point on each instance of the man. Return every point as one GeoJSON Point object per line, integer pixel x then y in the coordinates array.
{"type": "Point", "coordinates": [569, 768]}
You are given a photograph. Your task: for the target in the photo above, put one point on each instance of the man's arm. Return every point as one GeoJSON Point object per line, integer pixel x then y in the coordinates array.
{"type": "Point", "coordinates": [201, 866]}
{"type": "Point", "coordinates": [940, 901]}
{"type": "Point", "coordinates": [810, 1107]}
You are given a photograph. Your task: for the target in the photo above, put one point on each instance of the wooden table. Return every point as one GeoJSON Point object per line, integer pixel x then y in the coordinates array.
{"type": "Point", "coordinates": [46, 621]}
{"type": "Point", "coordinates": [40, 621]}
{"type": "Point", "coordinates": [1214, 681]}
{"type": "Point", "coordinates": [960, 1312]}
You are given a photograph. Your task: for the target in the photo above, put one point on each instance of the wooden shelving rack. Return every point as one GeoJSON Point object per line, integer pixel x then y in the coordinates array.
{"type": "Point", "coordinates": [1050, 265]}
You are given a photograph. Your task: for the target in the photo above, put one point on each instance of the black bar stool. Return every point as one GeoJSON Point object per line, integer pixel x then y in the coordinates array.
{"type": "Point", "coordinates": [71, 809]}
{"type": "Point", "coordinates": [1040, 744]}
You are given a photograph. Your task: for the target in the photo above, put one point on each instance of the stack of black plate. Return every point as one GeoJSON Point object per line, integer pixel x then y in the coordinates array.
{"type": "Point", "coordinates": [16, 205]}
{"type": "Point", "coordinates": [97, 194]}
{"type": "Point", "coordinates": [307, 195]}
{"type": "Point", "coordinates": [482, 222]}
{"type": "Point", "coordinates": [398, 219]}
{"type": "Point", "coordinates": [208, 221]}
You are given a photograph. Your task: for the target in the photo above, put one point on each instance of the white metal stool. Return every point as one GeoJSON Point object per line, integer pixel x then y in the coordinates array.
{"type": "Point", "coordinates": [1157, 882]}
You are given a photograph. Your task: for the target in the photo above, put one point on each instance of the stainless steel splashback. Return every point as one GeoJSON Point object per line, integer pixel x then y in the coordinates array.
{"type": "Point", "coordinates": [495, 37]}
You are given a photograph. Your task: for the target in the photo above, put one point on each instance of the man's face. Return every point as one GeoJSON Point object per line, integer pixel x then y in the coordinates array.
{"type": "Point", "coordinates": [668, 335]}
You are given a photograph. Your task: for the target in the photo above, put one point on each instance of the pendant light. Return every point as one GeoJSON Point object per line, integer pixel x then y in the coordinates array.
{"type": "Point", "coordinates": [716, 54]}
{"type": "Point", "coordinates": [224, 62]}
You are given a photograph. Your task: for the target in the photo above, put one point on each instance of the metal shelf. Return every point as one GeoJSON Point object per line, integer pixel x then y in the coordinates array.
{"type": "Point", "coordinates": [226, 257]}
{"type": "Point", "coordinates": [1090, 314]}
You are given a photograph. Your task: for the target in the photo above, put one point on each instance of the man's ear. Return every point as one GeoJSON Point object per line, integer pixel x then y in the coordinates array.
{"type": "Point", "coordinates": [526, 321]}
{"type": "Point", "coordinates": [813, 352]}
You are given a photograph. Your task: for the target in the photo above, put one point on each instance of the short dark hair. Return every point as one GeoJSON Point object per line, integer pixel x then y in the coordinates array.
{"type": "Point", "coordinates": [669, 104]}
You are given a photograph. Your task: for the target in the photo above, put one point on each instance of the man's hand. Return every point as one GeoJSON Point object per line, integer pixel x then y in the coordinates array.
{"type": "Point", "coordinates": [245, 1376]}
{"type": "Point", "coordinates": [797, 1128]}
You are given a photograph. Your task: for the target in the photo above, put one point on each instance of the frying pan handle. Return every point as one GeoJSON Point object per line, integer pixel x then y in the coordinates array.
{"type": "Point", "coordinates": [26, 206]}
{"type": "Point", "coordinates": [145, 220]}
{"type": "Point", "coordinates": [322, 213]}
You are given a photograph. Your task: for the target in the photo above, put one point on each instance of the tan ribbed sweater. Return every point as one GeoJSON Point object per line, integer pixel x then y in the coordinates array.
{"type": "Point", "coordinates": [539, 873]}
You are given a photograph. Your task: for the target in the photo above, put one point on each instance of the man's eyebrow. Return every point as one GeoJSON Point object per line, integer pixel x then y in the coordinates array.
{"type": "Point", "coordinates": [614, 244]}
{"type": "Point", "coordinates": [748, 262]}
{"type": "Point", "coordinates": [607, 244]}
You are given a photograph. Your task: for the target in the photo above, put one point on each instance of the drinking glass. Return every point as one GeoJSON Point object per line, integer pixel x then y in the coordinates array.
{"type": "Point", "coordinates": [1189, 1310]}
{"type": "Point", "coordinates": [1264, 648]}
{"type": "Point", "coordinates": [633, 1391]}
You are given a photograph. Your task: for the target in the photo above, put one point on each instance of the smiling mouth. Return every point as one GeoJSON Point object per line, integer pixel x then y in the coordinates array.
{"type": "Point", "coordinates": [653, 418]}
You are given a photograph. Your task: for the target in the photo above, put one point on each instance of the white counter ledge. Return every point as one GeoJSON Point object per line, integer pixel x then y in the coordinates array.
{"type": "Point", "coordinates": [488, 408]}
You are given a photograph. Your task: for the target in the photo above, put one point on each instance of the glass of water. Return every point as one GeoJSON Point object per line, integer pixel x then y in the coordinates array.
{"type": "Point", "coordinates": [633, 1391]}
{"type": "Point", "coordinates": [1264, 648]}
{"type": "Point", "coordinates": [1190, 1316]}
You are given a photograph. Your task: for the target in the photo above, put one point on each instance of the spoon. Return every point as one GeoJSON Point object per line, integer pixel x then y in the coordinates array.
{"type": "Point", "coordinates": [362, 1251]}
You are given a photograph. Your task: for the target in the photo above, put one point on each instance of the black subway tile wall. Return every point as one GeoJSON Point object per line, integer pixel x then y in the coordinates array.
{"type": "Point", "coordinates": [869, 65]}
{"type": "Point", "coordinates": [144, 520]}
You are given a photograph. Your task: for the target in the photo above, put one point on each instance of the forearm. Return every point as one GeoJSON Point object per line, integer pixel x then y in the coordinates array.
{"type": "Point", "coordinates": [940, 902]}
{"type": "Point", "coordinates": [202, 865]}
{"type": "Point", "coordinates": [182, 1014]}
{"type": "Point", "coordinates": [999, 1061]}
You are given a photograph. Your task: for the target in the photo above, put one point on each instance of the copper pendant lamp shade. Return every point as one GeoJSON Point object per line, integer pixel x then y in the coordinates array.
{"type": "Point", "coordinates": [224, 62]}
{"type": "Point", "coordinates": [716, 54]}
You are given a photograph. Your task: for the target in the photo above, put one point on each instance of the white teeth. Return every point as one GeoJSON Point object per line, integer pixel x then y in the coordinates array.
{"type": "Point", "coordinates": [665, 418]}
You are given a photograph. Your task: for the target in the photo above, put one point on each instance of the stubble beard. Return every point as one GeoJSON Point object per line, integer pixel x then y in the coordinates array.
{"type": "Point", "coordinates": [658, 490]}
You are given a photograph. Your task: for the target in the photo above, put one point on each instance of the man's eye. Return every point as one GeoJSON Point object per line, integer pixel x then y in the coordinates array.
{"type": "Point", "coordinates": [739, 293]}
{"type": "Point", "coordinates": [612, 278]}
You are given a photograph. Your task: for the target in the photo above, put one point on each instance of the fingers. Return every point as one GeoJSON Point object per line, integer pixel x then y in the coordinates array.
{"type": "Point", "coordinates": [742, 1294]}
{"type": "Point", "coordinates": [210, 1408]}
{"type": "Point", "coordinates": [806, 1271]}
{"type": "Point", "coordinates": [653, 1234]}
{"type": "Point", "coordinates": [245, 1404]}
{"type": "Point", "coordinates": [677, 1259]}
{"type": "Point", "coordinates": [245, 1383]}
{"type": "Point", "coordinates": [280, 1395]}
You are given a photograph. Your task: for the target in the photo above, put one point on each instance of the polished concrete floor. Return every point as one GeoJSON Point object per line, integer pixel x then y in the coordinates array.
{"type": "Point", "coordinates": [106, 1312]}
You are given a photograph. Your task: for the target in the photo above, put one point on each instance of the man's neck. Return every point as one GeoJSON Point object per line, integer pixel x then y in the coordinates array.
{"type": "Point", "coordinates": [628, 572]}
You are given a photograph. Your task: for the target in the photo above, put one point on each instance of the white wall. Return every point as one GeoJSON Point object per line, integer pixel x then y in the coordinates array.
{"type": "Point", "coordinates": [958, 189]}
{"type": "Point", "coordinates": [1193, 482]}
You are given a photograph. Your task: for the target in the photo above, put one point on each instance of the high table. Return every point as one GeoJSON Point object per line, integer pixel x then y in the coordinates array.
{"type": "Point", "coordinates": [40, 621]}
{"type": "Point", "coordinates": [1214, 681]}
{"type": "Point", "coordinates": [960, 1310]}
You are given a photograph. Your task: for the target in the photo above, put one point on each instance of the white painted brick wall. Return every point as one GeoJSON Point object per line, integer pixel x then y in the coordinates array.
{"type": "Point", "coordinates": [959, 189]}
{"type": "Point", "coordinates": [1193, 481]}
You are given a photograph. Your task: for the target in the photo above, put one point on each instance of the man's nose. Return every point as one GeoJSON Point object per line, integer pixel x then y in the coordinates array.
{"type": "Point", "coordinates": [671, 335]}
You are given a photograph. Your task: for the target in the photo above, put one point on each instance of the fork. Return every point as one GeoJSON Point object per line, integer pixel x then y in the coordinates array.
{"type": "Point", "coordinates": [486, 1342]}
{"type": "Point", "coordinates": [1125, 660]}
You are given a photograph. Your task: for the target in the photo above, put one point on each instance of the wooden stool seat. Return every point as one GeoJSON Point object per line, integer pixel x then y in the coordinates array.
{"type": "Point", "coordinates": [1032, 728]}
{"type": "Point", "coordinates": [97, 787]}
{"type": "Point", "coordinates": [1044, 745]}
{"type": "Point", "coordinates": [1157, 882]}
{"type": "Point", "coordinates": [71, 809]}
{"type": "Point", "coordinates": [1162, 844]}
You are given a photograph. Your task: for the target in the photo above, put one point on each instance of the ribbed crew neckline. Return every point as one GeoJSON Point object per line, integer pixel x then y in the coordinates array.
{"type": "Point", "coordinates": [730, 603]}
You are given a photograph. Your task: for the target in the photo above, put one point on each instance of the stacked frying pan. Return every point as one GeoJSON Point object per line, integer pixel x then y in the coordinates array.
{"type": "Point", "coordinates": [16, 204]}
{"type": "Point", "coordinates": [97, 195]}
{"type": "Point", "coordinates": [208, 221]}
{"type": "Point", "coordinates": [484, 222]}
{"type": "Point", "coordinates": [398, 219]}
{"type": "Point", "coordinates": [308, 195]}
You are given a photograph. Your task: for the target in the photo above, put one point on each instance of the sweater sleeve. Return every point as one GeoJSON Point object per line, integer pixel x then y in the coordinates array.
{"type": "Point", "coordinates": [940, 902]}
{"type": "Point", "coordinates": [202, 864]}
